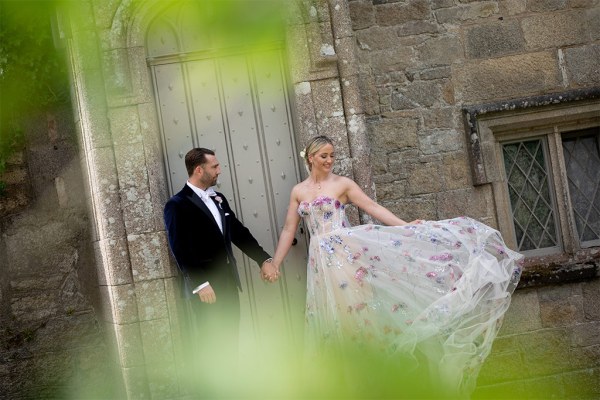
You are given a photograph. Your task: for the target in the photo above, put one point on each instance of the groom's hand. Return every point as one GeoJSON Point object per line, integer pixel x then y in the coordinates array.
{"type": "Point", "coordinates": [207, 295]}
{"type": "Point", "coordinates": [269, 272]}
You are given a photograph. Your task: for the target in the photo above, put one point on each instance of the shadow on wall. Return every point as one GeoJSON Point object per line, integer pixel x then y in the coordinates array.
{"type": "Point", "coordinates": [51, 337]}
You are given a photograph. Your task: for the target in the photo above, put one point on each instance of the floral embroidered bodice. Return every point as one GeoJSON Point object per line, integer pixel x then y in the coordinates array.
{"type": "Point", "coordinates": [323, 215]}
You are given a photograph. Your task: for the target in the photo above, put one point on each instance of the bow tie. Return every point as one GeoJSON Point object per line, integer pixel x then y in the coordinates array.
{"type": "Point", "coordinates": [210, 192]}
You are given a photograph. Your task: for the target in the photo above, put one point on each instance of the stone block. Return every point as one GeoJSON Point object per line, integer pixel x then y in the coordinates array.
{"type": "Point", "coordinates": [456, 171]}
{"type": "Point", "coordinates": [441, 118]}
{"type": "Point", "coordinates": [156, 337]}
{"type": "Point", "coordinates": [436, 4]}
{"type": "Point", "coordinates": [513, 7]}
{"type": "Point", "coordinates": [552, 30]}
{"type": "Point", "coordinates": [585, 334]}
{"type": "Point", "coordinates": [392, 59]}
{"type": "Point", "coordinates": [412, 28]}
{"type": "Point", "coordinates": [120, 304]}
{"type": "Point", "coordinates": [506, 77]}
{"type": "Point", "coordinates": [162, 379]}
{"type": "Point", "coordinates": [593, 22]}
{"type": "Point", "coordinates": [461, 13]}
{"type": "Point", "coordinates": [399, 13]}
{"type": "Point", "coordinates": [95, 127]}
{"type": "Point", "coordinates": [104, 12]}
{"type": "Point", "coordinates": [34, 307]}
{"type": "Point", "coordinates": [584, 384]}
{"type": "Point", "coordinates": [151, 300]}
{"type": "Point", "coordinates": [362, 14]}
{"type": "Point", "coordinates": [305, 109]}
{"type": "Point", "coordinates": [441, 50]}
{"type": "Point", "coordinates": [131, 165]}
{"type": "Point", "coordinates": [501, 367]}
{"type": "Point", "coordinates": [112, 262]}
{"type": "Point", "coordinates": [125, 125]}
{"type": "Point", "coordinates": [591, 300]}
{"type": "Point", "coordinates": [149, 256]}
{"type": "Point", "coordinates": [377, 38]}
{"type": "Point", "coordinates": [419, 179]}
{"type": "Point", "coordinates": [523, 314]}
{"type": "Point", "coordinates": [66, 332]}
{"type": "Point", "coordinates": [422, 207]}
{"type": "Point", "coordinates": [560, 307]}
{"type": "Point", "coordinates": [417, 94]}
{"type": "Point", "coordinates": [540, 6]}
{"type": "Point", "coordinates": [327, 98]}
{"type": "Point", "coordinates": [492, 40]}
{"type": "Point", "coordinates": [87, 58]}
{"type": "Point", "coordinates": [105, 194]}
{"type": "Point", "coordinates": [583, 65]}
{"type": "Point", "coordinates": [340, 13]}
{"type": "Point", "coordinates": [391, 191]}
{"type": "Point", "coordinates": [334, 127]}
{"type": "Point", "coordinates": [545, 352]}
{"type": "Point", "coordinates": [585, 357]}
{"type": "Point", "coordinates": [393, 134]}
{"type": "Point", "coordinates": [437, 141]}
{"type": "Point", "coordinates": [137, 209]}
{"type": "Point", "coordinates": [353, 107]}
{"type": "Point", "coordinates": [368, 93]}
{"type": "Point", "coordinates": [117, 72]}
{"type": "Point", "coordinates": [471, 202]}
{"type": "Point", "coordinates": [136, 382]}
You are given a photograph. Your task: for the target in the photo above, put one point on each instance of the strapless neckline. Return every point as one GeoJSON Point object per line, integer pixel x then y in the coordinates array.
{"type": "Point", "coordinates": [323, 200]}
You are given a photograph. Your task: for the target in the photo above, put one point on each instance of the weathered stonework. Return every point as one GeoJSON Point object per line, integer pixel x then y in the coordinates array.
{"type": "Point", "coordinates": [388, 81]}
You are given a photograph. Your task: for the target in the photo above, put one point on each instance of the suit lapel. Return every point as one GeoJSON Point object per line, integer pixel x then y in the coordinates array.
{"type": "Point", "coordinates": [197, 201]}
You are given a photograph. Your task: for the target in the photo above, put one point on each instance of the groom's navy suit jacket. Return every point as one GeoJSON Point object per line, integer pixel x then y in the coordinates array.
{"type": "Point", "coordinates": [202, 252]}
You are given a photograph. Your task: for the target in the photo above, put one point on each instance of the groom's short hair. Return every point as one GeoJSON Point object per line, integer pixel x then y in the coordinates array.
{"type": "Point", "coordinates": [195, 157]}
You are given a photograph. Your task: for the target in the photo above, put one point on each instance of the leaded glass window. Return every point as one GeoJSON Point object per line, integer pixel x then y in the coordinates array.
{"type": "Point", "coordinates": [581, 152]}
{"type": "Point", "coordinates": [531, 200]}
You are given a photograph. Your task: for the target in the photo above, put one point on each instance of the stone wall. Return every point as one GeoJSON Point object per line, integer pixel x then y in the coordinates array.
{"type": "Point", "coordinates": [421, 63]}
{"type": "Point", "coordinates": [51, 341]}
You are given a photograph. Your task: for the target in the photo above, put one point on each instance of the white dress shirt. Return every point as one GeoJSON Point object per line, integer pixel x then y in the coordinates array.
{"type": "Point", "coordinates": [203, 194]}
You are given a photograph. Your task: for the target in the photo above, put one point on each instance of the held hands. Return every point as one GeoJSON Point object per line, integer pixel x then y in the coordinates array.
{"type": "Point", "coordinates": [269, 272]}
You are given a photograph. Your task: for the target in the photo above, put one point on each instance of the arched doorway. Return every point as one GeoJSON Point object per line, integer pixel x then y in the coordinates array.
{"type": "Point", "coordinates": [224, 86]}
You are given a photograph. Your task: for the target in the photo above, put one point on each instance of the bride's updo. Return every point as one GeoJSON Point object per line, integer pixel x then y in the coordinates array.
{"type": "Point", "coordinates": [313, 145]}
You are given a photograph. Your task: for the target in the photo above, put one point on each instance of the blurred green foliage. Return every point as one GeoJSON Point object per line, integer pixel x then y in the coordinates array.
{"type": "Point", "coordinates": [33, 73]}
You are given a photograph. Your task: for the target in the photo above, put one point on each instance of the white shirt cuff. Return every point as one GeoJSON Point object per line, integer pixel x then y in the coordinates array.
{"type": "Point", "coordinates": [199, 288]}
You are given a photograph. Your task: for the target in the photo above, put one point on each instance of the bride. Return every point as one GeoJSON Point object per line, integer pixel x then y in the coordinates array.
{"type": "Point", "coordinates": [431, 292]}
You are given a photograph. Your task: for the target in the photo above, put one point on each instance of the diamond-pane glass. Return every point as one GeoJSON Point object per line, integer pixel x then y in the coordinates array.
{"type": "Point", "coordinates": [582, 161]}
{"type": "Point", "coordinates": [529, 193]}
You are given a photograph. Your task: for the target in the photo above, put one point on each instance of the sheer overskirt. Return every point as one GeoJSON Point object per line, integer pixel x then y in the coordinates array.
{"type": "Point", "coordinates": [432, 293]}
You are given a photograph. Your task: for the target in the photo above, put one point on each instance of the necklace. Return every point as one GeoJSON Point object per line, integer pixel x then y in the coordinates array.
{"type": "Point", "coordinates": [317, 184]}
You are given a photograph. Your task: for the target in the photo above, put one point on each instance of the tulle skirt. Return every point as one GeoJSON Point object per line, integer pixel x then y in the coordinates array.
{"type": "Point", "coordinates": [431, 296]}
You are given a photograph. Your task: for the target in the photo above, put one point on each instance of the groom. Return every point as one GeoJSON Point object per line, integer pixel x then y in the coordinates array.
{"type": "Point", "coordinates": [201, 228]}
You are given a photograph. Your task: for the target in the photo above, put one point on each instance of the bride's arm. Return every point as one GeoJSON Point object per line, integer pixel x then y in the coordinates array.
{"type": "Point", "coordinates": [289, 230]}
{"type": "Point", "coordinates": [361, 200]}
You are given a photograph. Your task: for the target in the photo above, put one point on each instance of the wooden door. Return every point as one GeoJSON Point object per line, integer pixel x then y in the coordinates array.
{"type": "Point", "coordinates": [236, 103]}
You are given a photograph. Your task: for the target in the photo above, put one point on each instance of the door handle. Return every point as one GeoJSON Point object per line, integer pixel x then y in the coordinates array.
{"type": "Point", "coordinates": [294, 242]}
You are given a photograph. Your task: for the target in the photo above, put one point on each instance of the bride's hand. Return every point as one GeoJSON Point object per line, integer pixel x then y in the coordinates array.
{"type": "Point", "coordinates": [269, 272]}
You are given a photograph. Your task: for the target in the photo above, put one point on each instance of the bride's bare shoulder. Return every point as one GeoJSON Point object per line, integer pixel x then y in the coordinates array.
{"type": "Point", "coordinates": [298, 189]}
{"type": "Point", "coordinates": [342, 180]}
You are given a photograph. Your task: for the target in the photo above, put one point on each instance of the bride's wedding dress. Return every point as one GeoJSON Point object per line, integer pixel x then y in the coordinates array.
{"type": "Point", "coordinates": [434, 293]}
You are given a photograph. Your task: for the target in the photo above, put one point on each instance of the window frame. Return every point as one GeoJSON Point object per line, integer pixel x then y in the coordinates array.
{"type": "Point", "coordinates": [490, 126]}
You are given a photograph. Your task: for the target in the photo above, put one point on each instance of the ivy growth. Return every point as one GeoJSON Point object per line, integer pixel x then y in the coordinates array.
{"type": "Point", "coordinates": [33, 75]}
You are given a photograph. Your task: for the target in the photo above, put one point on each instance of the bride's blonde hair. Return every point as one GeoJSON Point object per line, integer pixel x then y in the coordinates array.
{"type": "Point", "coordinates": [313, 145]}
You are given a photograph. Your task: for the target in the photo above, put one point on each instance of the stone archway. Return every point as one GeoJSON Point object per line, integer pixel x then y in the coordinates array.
{"type": "Point", "coordinates": [122, 159]}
